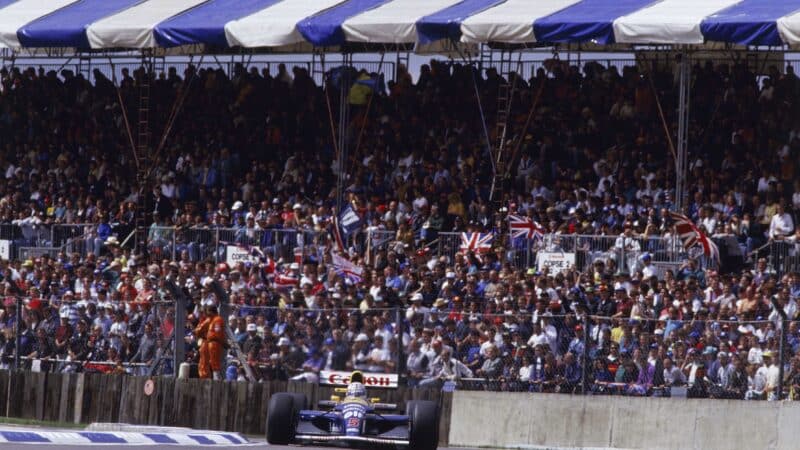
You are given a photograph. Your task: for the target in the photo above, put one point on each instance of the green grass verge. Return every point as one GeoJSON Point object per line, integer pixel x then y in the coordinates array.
{"type": "Point", "coordinates": [40, 423]}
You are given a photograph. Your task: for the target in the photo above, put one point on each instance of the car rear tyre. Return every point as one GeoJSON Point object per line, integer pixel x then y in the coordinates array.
{"type": "Point", "coordinates": [281, 421]}
{"type": "Point", "coordinates": [424, 416]}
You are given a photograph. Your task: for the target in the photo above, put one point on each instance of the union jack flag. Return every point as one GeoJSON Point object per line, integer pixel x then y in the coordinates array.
{"type": "Point", "coordinates": [284, 281]}
{"type": "Point", "coordinates": [690, 235]}
{"type": "Point", "coordinates": [346, 268]}
{"type": "Point", "coordinates": [524, 227]}
{"type": "Point", "coordinates": [476, 242]}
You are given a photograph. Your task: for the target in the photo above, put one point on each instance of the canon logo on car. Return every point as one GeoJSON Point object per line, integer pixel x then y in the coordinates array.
{"type": "Point", "coordinates": [379, 380]}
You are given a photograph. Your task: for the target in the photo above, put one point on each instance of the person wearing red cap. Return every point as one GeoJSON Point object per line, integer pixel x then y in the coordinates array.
{"type": "Point", "coordinates": [576, 344]}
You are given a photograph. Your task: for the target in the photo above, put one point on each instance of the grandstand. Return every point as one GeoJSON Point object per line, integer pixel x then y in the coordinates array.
{"type": "Point", "coordinates": [504, 219]}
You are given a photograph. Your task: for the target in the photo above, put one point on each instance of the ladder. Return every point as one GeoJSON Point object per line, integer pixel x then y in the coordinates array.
{"type": "Point", "coordinates": [85, 67]}
{"type": "Point", "coordinates": [143, 158]}
{"type": "Point", "coordinates": [486, 54]}
{"type": "Point", "coordinates": [505, 97]}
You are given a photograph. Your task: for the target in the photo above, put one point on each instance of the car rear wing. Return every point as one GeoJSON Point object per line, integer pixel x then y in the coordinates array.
{"type": "Point", "coordinates": [375, 405]}
{"type": "Point", "coordinates": [371, 380]}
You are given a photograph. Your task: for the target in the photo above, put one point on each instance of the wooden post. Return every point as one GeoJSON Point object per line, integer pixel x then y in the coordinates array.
{"type": "Point", "coordinates": [79, 397]}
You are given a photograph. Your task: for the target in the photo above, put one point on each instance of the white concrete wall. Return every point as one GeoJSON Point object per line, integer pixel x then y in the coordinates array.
{"type": "Point", "coordinates": [514, 420]}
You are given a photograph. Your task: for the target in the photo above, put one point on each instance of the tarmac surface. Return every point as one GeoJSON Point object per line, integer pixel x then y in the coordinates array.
{"type": "Point", "coordinates": [256, 446]}
{"type": "Point", "coordinates": [256, 443]}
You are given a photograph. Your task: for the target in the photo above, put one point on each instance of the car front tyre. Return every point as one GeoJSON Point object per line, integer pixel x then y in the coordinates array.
{"type": "Point", "coordinates": [424, 418]}
{"type": "Point", "coordinates": [281, 419]}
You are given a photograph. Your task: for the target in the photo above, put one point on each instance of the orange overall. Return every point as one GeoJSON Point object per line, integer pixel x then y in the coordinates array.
{"type": "Point", "coordinates": [216, 342]}
{"type": "Point", "coordinates": [201, 332]}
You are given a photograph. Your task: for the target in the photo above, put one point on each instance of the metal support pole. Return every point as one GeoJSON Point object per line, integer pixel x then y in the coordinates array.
{"type": "Point", "coordinates": [18, 334]}
{"type": "Point", "coordinates": [179, 332]}
{"type": "Point", "coordinates": [398, 317]}
{"type": "Point", "coordinates": [781, 346]}
{"type": "Point", "coordinates": [681, 164]}
{"type": "Point", "coordinates": [344, 123]}
{"type": "Point", "coordinates": [622, 265]}
{"type": "Point", "coordinates": [177, 335]}
{"type": "Point", "coordinates": [585, 356]}
{"type": "Point", "coordinates": [216, 246]}
{"type": "Point", "coordinates": [781, 358]}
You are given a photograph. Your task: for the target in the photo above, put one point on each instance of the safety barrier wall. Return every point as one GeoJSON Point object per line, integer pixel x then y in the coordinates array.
{"type": "Point", "coordinates": [505, 420]}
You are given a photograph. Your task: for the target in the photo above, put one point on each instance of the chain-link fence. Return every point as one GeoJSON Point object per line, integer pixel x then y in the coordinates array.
{"type": "Point", "coordinates": [637, 345]}
{"type": "Point", "coordinates": [197, 244]}
{"type": "Point", "coordinates": [581, 251]}
{"type": "Point", "coordinates": [614, 355]}
{"type": "Point", "coordinates": [88, 334]}
{"type": "Point", "coordinates": [780, 257]}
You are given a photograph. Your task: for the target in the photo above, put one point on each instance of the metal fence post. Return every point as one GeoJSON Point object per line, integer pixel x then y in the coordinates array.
{"type": "Point", "coordinates": [781, 357]}
{"type": "Point", "coordinates": [781, 346]}
{"type": "Point", "coordinates": [585, 356]}
{"type": "Point", "coordinates": [528, 253]}
{"type": "Point", "coordinates": [179, 332]}
{"type": "Point", "coordinates": [398, 317]}
{"type": "Point", "coordinates": [216, 245]}
{"type": "Point", "coordinates": [174, 241]}
{"type": "Point", "coordinates": [18, 334]}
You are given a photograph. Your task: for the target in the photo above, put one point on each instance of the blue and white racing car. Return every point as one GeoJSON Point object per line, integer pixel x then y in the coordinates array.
{"type": "Point", "coordinates": [355, 421]}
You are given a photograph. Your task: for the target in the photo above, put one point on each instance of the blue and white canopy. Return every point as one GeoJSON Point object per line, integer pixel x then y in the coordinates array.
{"type": "Point", "coordinates": [134, 24]}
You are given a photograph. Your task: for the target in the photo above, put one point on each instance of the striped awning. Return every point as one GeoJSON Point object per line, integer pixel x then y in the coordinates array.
{"type": "Point", "coordinates": [136, 24]}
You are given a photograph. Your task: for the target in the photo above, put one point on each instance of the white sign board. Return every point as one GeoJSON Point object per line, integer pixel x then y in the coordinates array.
{"type": "Point", "coordinates": [5, 249]}
{"type": "Point", "coordinates": [235, 254]}
{"type": "Point", "coordinates": [376, 380]}
{"type": "Point", "coordinates": [555, 261]}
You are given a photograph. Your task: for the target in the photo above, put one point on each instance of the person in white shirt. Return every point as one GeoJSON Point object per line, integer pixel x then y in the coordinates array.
{"type": "Point", "coordinates": [378, 356]}
{"type": "Point", "coordinates": [672, 374]}
{"type": "Point", "coordinates": [772, 375]}
{"type": "Point", "coordinates": [538, 337]}
{"type": "Point", "coordinates": [756, 354]}
{"type": "Point", "coordinates": [648, 269]}
{"type": "Point", "coordinates": [708, 220]}
{"type": "Point", "coordinates": [526, 369]}
{"type": "Point", "coordinates": [726, 298]}
{"type": "Point", "coordinates": [781, 225]}
{"type": "Point", "coordinates": [447, 368]}
{"type": "Point", "coordinates": [691, 367]}
{"type": "Point", "coordinates": [627, 247]}
{"type": "Point", "coordinates": [756, 383]}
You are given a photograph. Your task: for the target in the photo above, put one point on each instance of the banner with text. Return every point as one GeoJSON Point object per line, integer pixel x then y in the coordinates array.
{"type": "Point", "coordinates": [339, 378]}
{"type": "Point", "coordinates": [555, 261]}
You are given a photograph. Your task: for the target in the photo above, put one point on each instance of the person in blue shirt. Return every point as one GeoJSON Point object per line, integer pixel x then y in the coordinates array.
{"type": "Point", "coordinates": [572, 374]}
{"type": "Point", "coordinates": [312, 366]}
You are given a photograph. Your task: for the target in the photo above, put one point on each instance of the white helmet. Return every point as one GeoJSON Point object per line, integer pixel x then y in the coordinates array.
{"type": "Point", "coordinates": [356, 390]}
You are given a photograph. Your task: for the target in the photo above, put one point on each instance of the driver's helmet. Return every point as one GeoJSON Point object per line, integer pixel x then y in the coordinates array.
{"type": "Point", "coordinates": [356, 390]}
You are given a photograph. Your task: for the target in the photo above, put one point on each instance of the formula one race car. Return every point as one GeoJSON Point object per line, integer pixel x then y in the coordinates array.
{"type": "Point", "coordinates": [354, 420]}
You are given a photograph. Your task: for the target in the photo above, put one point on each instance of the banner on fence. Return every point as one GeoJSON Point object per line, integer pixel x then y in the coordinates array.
{"type": "Point", "coordinates": [5, 249]}
{"type": "Point", "coordinates": [235, 254]}
{"type": "Point", "coordinates": [339, 378]}
{"type": "Point", "coordinates": [555, 261]}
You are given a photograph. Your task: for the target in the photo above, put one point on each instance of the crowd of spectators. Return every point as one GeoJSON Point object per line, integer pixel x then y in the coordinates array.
{"type": "Point", "coordinates": [253, 152]}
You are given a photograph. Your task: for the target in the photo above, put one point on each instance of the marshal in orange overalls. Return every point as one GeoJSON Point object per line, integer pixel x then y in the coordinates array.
{"type": "Point", "coordinates": [216, 343]}
{"type": "Point", "coordinates": [201, 332]}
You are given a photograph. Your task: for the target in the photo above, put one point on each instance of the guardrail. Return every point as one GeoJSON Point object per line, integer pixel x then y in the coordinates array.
{"type": "Point", "coordinates": [582, 250]}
